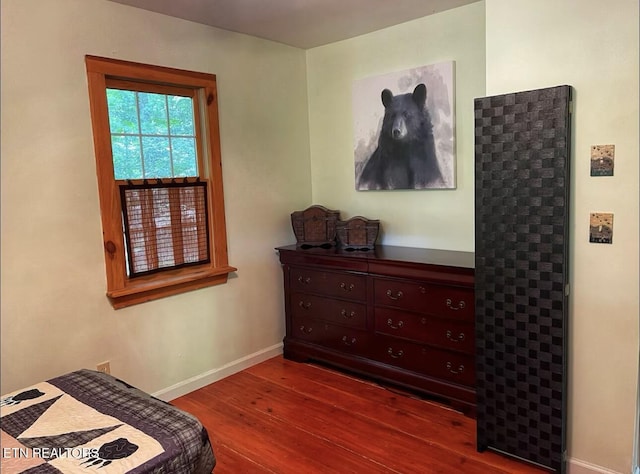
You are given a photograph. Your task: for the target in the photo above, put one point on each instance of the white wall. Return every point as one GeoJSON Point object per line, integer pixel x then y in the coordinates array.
{"type": "Point", "coordinates": [593, 46]}
{"type": "Point", "coordinates": [426, 218]}
{"type": "Point", "coordinates": [55, 315]}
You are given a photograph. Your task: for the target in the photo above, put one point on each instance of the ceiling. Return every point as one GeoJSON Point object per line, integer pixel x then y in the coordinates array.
{"type": "Point", "coordinates": [300, 23]}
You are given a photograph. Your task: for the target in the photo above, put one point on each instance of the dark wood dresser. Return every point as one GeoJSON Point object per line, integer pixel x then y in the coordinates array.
{"type": "Point", "coordinates": [403, 316]}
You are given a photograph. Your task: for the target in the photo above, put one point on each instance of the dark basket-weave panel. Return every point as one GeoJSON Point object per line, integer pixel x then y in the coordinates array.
{"type": "Point", "coordinates": [522, 177]}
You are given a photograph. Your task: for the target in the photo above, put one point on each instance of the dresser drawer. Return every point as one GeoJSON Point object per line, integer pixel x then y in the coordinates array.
{"type": "Point", "coordinates": [451, 366]}
{"type": "Point", "coordinates": [445, 333]}
{"type": "Point", "coordinates": [439, 300]}
{"type": "Point", "coordinates": [343, 285]}
{"type": "Point", "coordinates": [344, 339]}
{"type": "Point", "coordinates": [305, 306]}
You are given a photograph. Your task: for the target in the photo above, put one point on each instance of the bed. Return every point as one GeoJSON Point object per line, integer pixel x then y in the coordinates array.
{"type": "Point", "coordinates": [87, 421]}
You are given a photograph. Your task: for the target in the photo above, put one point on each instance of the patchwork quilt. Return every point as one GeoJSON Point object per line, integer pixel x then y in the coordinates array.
{"type": "Point", "coordinates": [87, 422]}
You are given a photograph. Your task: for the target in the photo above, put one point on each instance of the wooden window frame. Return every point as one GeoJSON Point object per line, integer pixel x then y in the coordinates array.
{"type": "Point", "coordinates": [123, 291]}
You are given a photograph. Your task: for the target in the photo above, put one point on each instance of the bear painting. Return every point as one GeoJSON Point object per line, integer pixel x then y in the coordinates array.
{"type": "Point", "coordinates": [404, 153]}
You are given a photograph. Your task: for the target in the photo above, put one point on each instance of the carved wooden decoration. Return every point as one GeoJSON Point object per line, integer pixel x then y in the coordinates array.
{"type": "Point", "coordinates": [315, 226]}
{"type": "Point", "coordinates": [358, 233]}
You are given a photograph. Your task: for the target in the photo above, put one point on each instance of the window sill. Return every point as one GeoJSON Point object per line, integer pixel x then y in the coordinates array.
{"type": "Point", "coordinates": [141, 290]}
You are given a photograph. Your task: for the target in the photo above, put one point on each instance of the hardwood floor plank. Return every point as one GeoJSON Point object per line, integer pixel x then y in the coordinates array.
{"type": "Point", "coordinates": [228, 460]}
{"type": "Point", "coordinates": [357, 395]}
{"type": "Point", "coordinates": [390, 447]}
{"type": "Point", "coordinates": [278, 446]}
{"type": "Point", "coordinates": [286, 417]}
{"type": "Point", "coordinates": [431, 421]}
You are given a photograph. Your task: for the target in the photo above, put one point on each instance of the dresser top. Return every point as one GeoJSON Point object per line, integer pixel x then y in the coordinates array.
{"type": "Point", "coordinates": [390, 253]}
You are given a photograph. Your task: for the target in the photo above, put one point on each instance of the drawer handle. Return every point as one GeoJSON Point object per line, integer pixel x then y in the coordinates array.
{"type": "Point", "coordinates": [304, 280]}
{"type": "Point", "coordinates": [459, 370]}
{"type": "Point", "coordinates": [306, 330]}
{"type": "Point", "coordinates": [347, 341]}
{"type": "Point", "coordinates": [460, 337]}
{"type": "Point", "coordinates": [347, 315]}
{"type": "Point", "coordinates": [304, 305]}
{"type": "Point", "coordinates": [395, 355]}
{"type": "Point", "coordinates": [461, 305]}
{"type": "Point", "coordinates": [392, 326]}
{"type": "Point", "coordinates": [396, 297]}
{"type": "Point", "coordinates": [346, 287]}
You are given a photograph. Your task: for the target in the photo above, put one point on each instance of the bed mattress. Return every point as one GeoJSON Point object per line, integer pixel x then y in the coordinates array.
{"type": "Point", "coordinates": [87, 421]}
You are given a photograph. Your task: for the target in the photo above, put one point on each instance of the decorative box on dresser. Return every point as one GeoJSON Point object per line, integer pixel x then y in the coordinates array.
{"type": "Point", "coordinates": [400, 315]}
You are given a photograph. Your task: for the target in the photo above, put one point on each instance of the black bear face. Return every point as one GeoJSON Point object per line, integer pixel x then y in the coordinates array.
{"type": "Point", "coordinates": [406, 155]}
{"type": "Point", "coordinates": [404, 117]}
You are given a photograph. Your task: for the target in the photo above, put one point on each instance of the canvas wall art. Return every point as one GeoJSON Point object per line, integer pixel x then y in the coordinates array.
{"type": "Point", "coordinates": [601, 228]}
{"type": "Point", "coordinates": [602, 157]}
{"type": "Point", "coordinates": [404, 129]}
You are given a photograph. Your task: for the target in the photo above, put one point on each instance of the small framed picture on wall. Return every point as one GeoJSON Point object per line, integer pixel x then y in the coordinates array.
{"type": "Point", "coordinates": [602, 157]}
{"type": "Point", "coordinates": [601, 228]}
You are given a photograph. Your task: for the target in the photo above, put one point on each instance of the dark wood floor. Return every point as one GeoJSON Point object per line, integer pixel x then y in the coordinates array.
{"type": "Point", "coordinates": [285, 417]}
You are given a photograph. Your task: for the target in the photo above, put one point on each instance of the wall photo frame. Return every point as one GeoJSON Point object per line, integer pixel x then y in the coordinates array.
{"type": "Point", "coordinates": [602, 160]}
{"type": "Point", "coordinates": [404, 129]}
{"type": "Point", "coordinates": [601, 228]}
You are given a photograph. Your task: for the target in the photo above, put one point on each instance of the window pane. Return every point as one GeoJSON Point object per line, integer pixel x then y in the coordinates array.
{"type": "Point", "coordinates": [184, 157]}
{"type": "Point", "coordinates": [180, 115]}
{"type": "Point", "coordinates": [153, 113]}
{"type": "Point", "coordinates": [123, 113]}
{"type": "Point", "coordinates": [127, 160]}
{"type": "Point", "coordinates": [152, 135]}
{"type": "Point", "coordinates": [157, 162]}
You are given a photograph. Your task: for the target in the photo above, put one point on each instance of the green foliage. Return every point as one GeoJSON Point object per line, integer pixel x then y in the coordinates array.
{"type": "Point", "coordinates": [152, 135]}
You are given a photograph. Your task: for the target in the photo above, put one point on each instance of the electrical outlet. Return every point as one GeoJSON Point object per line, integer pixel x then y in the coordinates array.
{"type": "Point", "coordinates": [104, 367]}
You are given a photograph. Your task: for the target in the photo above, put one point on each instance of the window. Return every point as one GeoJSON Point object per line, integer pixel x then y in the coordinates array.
{"type": "Point", "coordinates": [157, 150]}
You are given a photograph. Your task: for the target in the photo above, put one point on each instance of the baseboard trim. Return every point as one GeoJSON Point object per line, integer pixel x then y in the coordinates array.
{"type": "Point", "coordinates": [576, 466]}
{"type": "Point", "coordinates": [202, 380]}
